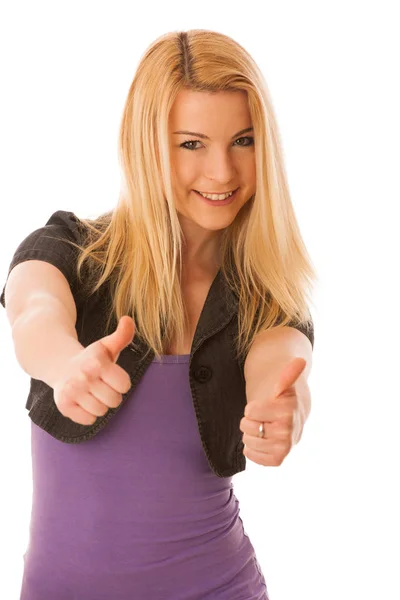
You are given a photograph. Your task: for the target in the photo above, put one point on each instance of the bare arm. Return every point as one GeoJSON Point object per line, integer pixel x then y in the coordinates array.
{"type": "Point", "coordinates": [44, 338]}
{"type": "Point", "coordinates": [42, 314]}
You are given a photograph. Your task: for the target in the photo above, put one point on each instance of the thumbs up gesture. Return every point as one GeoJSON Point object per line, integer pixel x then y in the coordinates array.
{"type": "Point", "coordinates": [278, 402]}
{"type": "Point", "coordinates": [91, 382]}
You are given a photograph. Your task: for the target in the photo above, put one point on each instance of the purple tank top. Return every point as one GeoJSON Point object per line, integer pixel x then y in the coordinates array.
{"type": "Point", "coordinates": [136, 512]}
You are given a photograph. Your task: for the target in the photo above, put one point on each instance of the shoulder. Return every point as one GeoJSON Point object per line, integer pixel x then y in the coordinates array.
{"type": "Point", "coordinates": [53, 242]}
{"type": "Point", "coordinates": [67, 222]}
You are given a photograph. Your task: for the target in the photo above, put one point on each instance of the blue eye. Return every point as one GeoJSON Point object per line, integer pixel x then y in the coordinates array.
{"type": "Point", "coordinates": [248, 137]}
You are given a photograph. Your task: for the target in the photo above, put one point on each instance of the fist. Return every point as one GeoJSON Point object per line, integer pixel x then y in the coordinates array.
{"type": "Point", "coordinates": [91, 382]}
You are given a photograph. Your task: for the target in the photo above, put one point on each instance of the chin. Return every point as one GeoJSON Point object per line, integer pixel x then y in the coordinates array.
{"type": "Point", "coordinates": [215, 223]}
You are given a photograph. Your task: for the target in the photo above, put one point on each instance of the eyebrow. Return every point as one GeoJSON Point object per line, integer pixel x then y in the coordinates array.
{"type": "Point", "coordinates": [205, 137]}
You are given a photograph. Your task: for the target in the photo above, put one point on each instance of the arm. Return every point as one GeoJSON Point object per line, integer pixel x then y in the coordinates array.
{"type": "Point", "coordinates": [271, 350]}
{"type": "Point", "coordinates": [44, 339]}
{"type": "Point", "coordinates": [42, 314]}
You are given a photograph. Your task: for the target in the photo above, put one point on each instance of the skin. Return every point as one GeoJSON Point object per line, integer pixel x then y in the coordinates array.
{"type": "Point", "coordinates": [219, 164]}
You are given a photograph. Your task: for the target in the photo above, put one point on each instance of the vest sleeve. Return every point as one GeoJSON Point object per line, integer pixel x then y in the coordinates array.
{"type": "Point", "coordinates": [48, 243]}
{"type": "Point", "coordinates": [307, 328]}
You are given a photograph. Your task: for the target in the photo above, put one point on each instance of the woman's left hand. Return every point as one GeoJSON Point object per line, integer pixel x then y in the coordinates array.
{"type": "Point", "coordinates": [280, 407]}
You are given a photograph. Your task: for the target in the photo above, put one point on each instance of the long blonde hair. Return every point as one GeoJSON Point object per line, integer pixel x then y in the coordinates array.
{"type": "Point", "coordinates": [137, 245]}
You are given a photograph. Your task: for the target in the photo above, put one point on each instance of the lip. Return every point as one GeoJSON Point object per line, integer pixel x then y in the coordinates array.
{"type": "Point", "coordinates": [235, 190]}
{"type": "Point", "coordinates": [215, 203]}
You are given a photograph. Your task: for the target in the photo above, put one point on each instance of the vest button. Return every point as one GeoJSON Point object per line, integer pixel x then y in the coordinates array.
{"type": "Point", "coordinates": [203, 374]}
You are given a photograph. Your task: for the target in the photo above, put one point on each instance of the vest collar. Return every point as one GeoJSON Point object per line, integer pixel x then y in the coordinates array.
{"type": "Point", "coordinates": [219, 308]}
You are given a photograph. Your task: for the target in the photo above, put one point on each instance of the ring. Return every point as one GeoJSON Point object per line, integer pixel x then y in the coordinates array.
{"type": "Point", "coordinates": [261, 430]}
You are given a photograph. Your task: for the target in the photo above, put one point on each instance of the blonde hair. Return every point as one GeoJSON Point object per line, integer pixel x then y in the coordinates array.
{"type": "Point", "coordinates": [137, 245]}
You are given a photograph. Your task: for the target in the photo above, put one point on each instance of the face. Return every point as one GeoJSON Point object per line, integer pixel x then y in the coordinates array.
{"type": "Point", "coordinates": [221, 162]}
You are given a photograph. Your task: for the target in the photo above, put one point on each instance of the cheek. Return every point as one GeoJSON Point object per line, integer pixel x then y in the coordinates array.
{"type": "Point", "coordinates": [251, 174]}
{"type": "Point", "coordinates": [248, 168]}
{"type": "Point", "coordinates": [184, 180]}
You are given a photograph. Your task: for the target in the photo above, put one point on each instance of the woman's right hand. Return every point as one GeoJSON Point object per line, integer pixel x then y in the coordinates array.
{"type": "Point", "coordinates": [91, 382]}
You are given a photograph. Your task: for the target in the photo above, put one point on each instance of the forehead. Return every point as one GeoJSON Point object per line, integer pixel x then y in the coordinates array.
{"type": "Point", "coordinates": [209, 108]}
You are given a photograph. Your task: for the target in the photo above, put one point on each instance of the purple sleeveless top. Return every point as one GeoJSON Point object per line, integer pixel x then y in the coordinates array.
{"type": "Point", "coordinates": [136, 512]}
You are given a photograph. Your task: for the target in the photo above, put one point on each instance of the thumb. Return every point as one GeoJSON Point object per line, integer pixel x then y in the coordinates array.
{"type": "Point", "coordinates": [290, 375]}
{"type": "Point", "coordinates": [120, 338]}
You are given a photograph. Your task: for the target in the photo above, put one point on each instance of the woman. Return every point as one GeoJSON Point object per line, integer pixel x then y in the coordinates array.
{"type": "Point", "coordinates": [139, 341]}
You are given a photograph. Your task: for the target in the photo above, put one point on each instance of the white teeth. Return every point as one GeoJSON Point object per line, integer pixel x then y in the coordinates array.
{"type": "Point", "coordinates": [216, 196]}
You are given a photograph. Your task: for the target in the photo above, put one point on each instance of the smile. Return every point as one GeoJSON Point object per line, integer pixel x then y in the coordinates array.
{"type": "Point", "coordinates": [216, 196]}
{"type": "Point", "coordinates": [220, 199]}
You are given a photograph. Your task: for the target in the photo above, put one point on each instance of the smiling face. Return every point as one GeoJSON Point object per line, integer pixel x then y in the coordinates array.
{"type": "Point", "coordinates": [221, 162]}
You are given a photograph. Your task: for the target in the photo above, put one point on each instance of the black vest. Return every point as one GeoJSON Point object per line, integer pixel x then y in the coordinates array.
{"type": "Point", "coordinates": [216, 376]}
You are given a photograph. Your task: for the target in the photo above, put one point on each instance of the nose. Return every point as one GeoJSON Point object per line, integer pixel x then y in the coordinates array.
{"type": "Point", "coordinates": [220, 168]}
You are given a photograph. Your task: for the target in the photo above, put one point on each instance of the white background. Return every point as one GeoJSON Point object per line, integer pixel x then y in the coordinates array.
{"type": "Point", "coordinates": [325, 523]}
